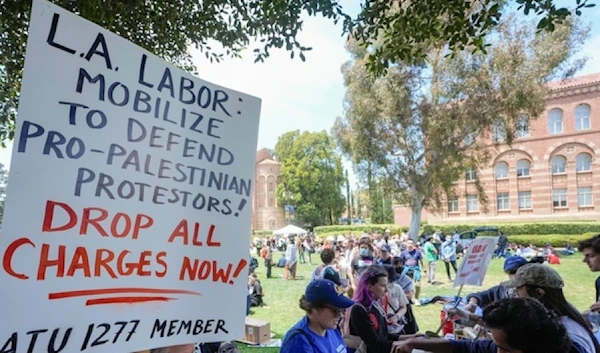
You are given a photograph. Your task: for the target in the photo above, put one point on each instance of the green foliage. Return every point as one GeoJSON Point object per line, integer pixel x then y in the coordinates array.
{"type": "Point", "coordinates": [312, 177]}
{"type": "Point", "coordinates": [556, 240]}
{"type": "Point", "coordinates": [564, 228]}
{"type": "Point", "coordinates": [224, 28]}
{"type": "Point", "coordinates": [358, 229]}
{"type": "Point", "coordinates": [220, 29]}
{"type": "Point", "coordinates": [405, 30]}
{"type": "Point", "coordinates": [418, 129]}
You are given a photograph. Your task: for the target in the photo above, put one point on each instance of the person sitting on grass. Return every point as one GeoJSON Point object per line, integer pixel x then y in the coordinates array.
{"type": "Point", "coordinates": [323, 302]}
{"type": "Point", "coordinates": [256, 291]}
{"type": "Point", "coordinates": [517, 325]}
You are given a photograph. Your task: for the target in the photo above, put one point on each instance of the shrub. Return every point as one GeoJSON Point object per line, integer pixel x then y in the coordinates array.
{"type": "Point", "coordinates": [545, 228]}
{"type": "Point", "coordinates": [556, 240]}
{"type": "Point", "coordinates": [359, 229]}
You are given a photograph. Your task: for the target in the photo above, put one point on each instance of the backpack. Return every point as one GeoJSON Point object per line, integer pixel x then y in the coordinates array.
{"type": "Point", "coordinates": [353, 342]}
{"type": "Point", "coordinates": [263, 252]}
{"type": "Point", "coordinates": [319, 272]}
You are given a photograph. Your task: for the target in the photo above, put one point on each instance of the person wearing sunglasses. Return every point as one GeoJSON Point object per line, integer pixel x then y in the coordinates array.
{"type": "Point", "coordinates": [324, 303]}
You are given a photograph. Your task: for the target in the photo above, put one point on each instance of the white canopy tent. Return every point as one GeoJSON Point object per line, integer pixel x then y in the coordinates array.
{"type": "Point", "coordinates": [289, 230]}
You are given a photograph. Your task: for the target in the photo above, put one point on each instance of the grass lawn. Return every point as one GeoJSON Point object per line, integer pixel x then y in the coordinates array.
{"type": "Point", "coordinates": [282, 296]}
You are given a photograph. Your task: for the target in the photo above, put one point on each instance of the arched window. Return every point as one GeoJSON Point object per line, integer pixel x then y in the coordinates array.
{"type": "Point", "coordinates": [271, 184]}
{"type": "Point", "coordinates": [501, 170]}
{"type": "Point", "coordinates": [555, 121]}
{"type": "Point", "coordinates": [582, 117]}
{"type": "Point", "coordinates": [559, 165]}
{"type": "Point", "coordinates": [261, 191]}
{"type": "Point", "coordinates": [523, 167]}
{"type": "Point", "coordinates": [583, 162]}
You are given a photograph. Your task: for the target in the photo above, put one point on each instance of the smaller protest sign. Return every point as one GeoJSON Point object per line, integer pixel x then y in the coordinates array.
{"type": "Point", "coordinates": [476, 262]}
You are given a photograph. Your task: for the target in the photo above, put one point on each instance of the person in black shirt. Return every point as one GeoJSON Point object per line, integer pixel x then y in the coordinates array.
{"type": "Point", "coordinates": [385, 255]}
{"type": "Point", "coordinates": [591, 256]}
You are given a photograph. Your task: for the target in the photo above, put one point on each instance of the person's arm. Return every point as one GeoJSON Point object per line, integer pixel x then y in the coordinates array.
{"type": "Point", "coordinates": [485, 297]}
{"type": "Point", "coordinates": [438, 345]}
{"type": "Point", "coordinates": [352, 276]}
{"type": "Point", "coordinates": [361, 325]}
{"type": "Point", "coordinates": [403, 303]}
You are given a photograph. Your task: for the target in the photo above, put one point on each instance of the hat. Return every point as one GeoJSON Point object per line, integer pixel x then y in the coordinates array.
{"type": "Point", "coordinates": [388, 231]}
{"type": "Point", "coordinates": [514, 262]}
{"type": "Point", "coordinates": [386, 248]}
{"type": "Point", "coordinates": [341, 238]}
{"type": "Point", "coordinates": [536, 275]}
{"type": "Point", "coordinates": [325, 291]}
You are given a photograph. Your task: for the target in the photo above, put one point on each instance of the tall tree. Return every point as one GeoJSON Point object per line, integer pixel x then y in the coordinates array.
{"type": "Point", "coordinates": [170, 28]}
{"type": "Point", "coordinates": [312, 177]}
{"type": "Point", "coordinates": [422, 127]}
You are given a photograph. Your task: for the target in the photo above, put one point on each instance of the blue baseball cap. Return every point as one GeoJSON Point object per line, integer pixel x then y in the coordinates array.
{"type": "Point", "coordinates": [325, 291]}
{"type": "Point", "coordinates": [513, 263]}
{"type": "Point", "coordinates": [386, 248]}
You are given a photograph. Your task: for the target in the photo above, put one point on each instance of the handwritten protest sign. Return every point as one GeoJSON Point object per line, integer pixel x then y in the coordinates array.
{"type": "Point", "coordinates": [476, 262]}
{"type": "Point", "coordinates": [128, 209]}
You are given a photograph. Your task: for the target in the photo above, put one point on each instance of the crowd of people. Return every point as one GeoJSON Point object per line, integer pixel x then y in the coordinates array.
{"type": "Point", "coordinates": [360, 298]}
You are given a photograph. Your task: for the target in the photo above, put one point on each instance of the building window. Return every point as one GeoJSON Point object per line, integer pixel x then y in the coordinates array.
{"type": "Point", "coordinates": [584, 197]}
{"type": "Point", "coordinates": [471, 175]}
{"type": "Point", "coordinates": [559, 197]}
{"type": "Point", "coordinates": [583, 162]}
{"type": "Point", "coordinates": [522, 127]}
{"type": "Point", "coordinates": [271, 184]}
{"type": "Point", "coordinates": [525, 200]}
{"type": "Point", "coordinates": [501, 170]}
{"type": "Point", "coordinates": [472, 203]}
{"type": "Point", "coordinates": [555, 121]}
{"type": "Point", "coordinates": [582, 117]}
{"type": "Point", "coordinates": [453, 204]}
{"type": "Point", "coordinates": [502, 201]}
{"type": "Point", "coordinates": [523, 168]}
{"type": "Point", "coordinates": [469, 139]}
{"type": "Point", "coordinates": [559, 165]}
{"type": "Point", "coordinates": [498, 132]}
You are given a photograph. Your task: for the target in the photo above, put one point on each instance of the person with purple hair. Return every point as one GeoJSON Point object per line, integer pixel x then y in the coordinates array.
{"type": "Point", "coordinates": [367, 318]}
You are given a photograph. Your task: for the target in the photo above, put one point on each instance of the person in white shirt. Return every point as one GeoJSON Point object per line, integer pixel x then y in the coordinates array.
{"type": "Point", "coordinates": [291, 254]}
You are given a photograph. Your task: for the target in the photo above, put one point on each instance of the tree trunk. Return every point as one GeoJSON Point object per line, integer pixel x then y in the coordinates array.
{"type": "Point", "coordinates": [415, 219]}
{"type": "Point", "coordinates": [415, 223]}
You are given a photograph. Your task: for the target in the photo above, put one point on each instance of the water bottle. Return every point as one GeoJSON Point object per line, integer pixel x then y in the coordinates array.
{"type": "Point", "coordinates": [594, 319]}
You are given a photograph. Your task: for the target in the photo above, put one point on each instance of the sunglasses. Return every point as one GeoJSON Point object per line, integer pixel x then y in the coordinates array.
{"type": "Point", "coordinates": [336, 311]}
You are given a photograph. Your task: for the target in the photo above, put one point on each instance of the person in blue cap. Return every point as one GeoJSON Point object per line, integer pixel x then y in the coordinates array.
{"type": "Point", "coordinates": [483, 298]}
{"type": "Point", "coordinates": [324, 303]}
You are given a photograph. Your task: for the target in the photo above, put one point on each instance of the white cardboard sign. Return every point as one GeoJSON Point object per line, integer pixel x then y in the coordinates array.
{"type": "Point", "coordinates": [476, 262]}
{"type": "Point", "coordinates": [129, 198]}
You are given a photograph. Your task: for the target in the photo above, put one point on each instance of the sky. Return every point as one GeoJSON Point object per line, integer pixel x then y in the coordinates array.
{"type": "Point", "coordinates": [308, 95]}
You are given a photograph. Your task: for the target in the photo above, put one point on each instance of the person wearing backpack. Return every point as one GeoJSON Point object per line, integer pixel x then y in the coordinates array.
{"type": "Point", "coordinates": [327, 270]}
{"type": "Point", "coordinates": [323, 302]}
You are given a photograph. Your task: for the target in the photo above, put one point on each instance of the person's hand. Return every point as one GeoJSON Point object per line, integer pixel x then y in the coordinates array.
{"type": "Point", "coordinates": [393, 319]}
{"type": "Point", "coordinates": [595, 306]}
{"type": "Point", "coordinates": [402, 347]}
{"type": "Point", "coordinates": [471, 307]}
{"type": "Point", "coordinates": [463, 314]}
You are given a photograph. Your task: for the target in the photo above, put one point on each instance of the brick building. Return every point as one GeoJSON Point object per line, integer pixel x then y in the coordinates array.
{"type": "Point", "coordinates": [549, 173]}
{"type": "Point", "coordinates": [266, 212]}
